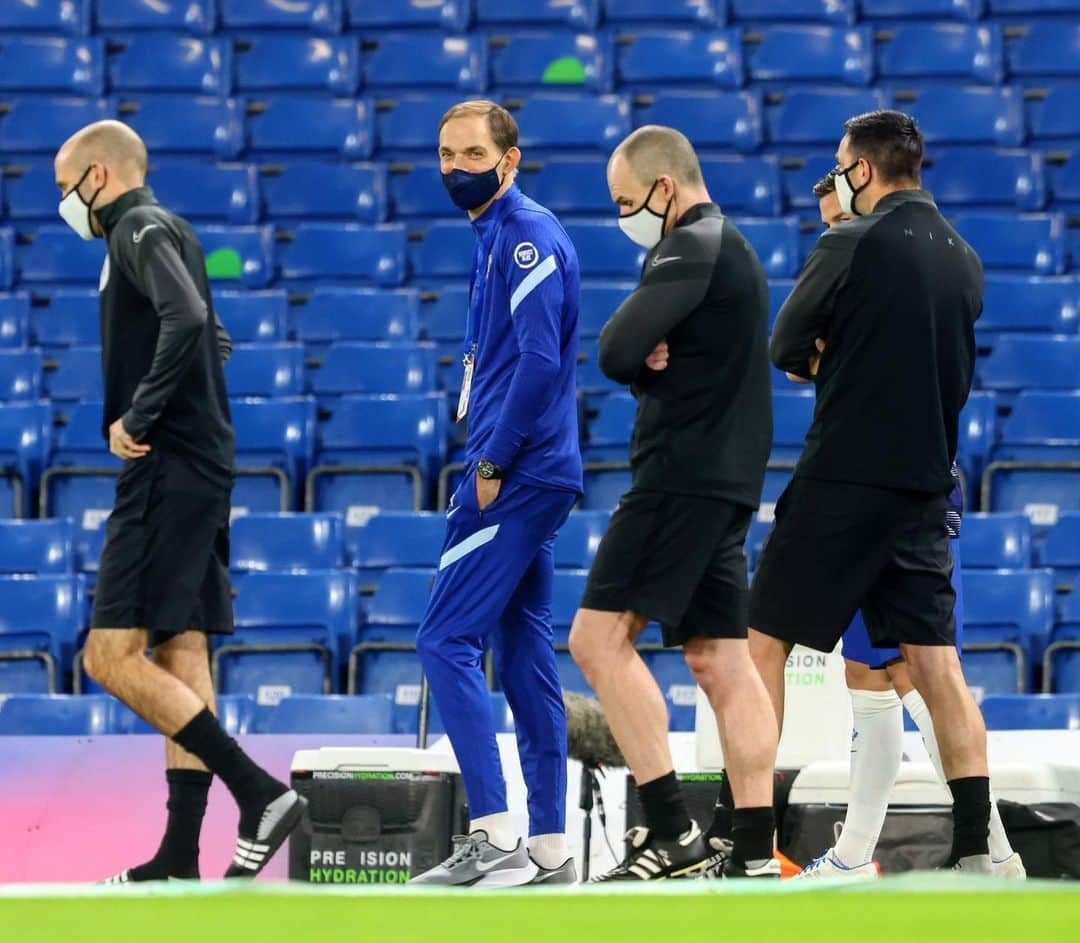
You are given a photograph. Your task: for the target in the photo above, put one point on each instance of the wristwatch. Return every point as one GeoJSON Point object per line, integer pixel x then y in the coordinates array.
{"type": "Point", "coordinates": [488, 470]}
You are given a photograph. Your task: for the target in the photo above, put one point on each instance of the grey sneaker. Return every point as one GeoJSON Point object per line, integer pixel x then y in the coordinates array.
{"type": "Point", "coordinates": [974, 864]}
{"type": "Point", "coordinates": [565, 873]}
{"type": "Point", "coordinates": [475, 860]}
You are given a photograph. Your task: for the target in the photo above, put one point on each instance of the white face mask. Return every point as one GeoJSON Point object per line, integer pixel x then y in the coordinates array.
{"type": "Point", "coordinates": [644, 226]}
{"type": "Point", "coordinates": [76, 212]}
{"type": "Point", "coordinates": [845, 193]}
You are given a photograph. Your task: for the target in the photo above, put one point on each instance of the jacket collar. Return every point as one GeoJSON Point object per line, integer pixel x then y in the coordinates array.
{"type": "Point", "coordinates": [898, 197]}
{"type": "Point", "coordinates": [494, 214]}
{"type": "Point", "coordinates": [696, 212]}
{"type": "Point", "coordinates": [110, 214]}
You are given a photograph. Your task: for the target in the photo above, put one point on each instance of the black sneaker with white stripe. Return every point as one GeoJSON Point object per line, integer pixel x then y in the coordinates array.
{"type": "Point", "coordinates": [253, 852]}
{"type": "Point", "coordinates": [657, 859]}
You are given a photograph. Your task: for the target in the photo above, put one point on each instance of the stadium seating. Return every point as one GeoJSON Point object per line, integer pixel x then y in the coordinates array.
{"type": "Point", "coordinates": [377, 542]}
{"type": "Point", "coordinates": [281, 542]}
{"type": "Point", "coordinates": [34, 548]}
{"type": "Point", "coordinates": [226, 193]}
{"type": "Point", "coordinates": [328, 714]}
{"type": "Point", "coordinates": [346, 251]}
{"type": "Point", "coordinates": [1044, 48]}
{"type": "Point", "coordinates": [181, 124]}
{"type": "Point", "coordinates": [408, 121]}
{"type": "Point", "coordinates": [452, 16]}
{"type": "Point", "coordinates": [243, 254]}
{"type": "Point", "coordinates": [577, 13]}
{"type": "Point", "coordinates": [52, 16]}
{"type": "Point", "coordinates": [416, 189]}
{"type": "Point", "coordinates": [374, 368]}
{"type": "Point", "coordinates": [729, 120]}
{"type": "Point", "coordinates": [946, 50]}
{"type": "Point", "coordinates": [579, 538]}
{"type": "Point", "coordinates": [305, 188]}
{"type": "Point", "coordinates": [236, 712]}
{"type": "Point", "coordinates": [603, 250]}
{"type": "Point", "coordinates": [1032, 362]}
{"type": "Point", "coordinates": [975, 176]}
{"type": "Point", "coordinates": [331, 314]}
{"type": "Point", "coordinates": [647, 58]}
{"type": "Point", "coordinates": [253, 317]}
{"type": "Point", "coordinates": [996, 541]}
{"type": "Point", "coordinates": [194, 16]}
{"type": "Point", "coordinates": [268, 62]}
{"type": "Point", "coordinates": [80, 480]}
{"type": "Point", "coordinates": [563, 120]}
{"type": "Point", "coordinates": [786, 54]}
{"type": "Point", "coordinates": [320, 16]}
{"type": "Point", "coordinates": [744, 185]}
{"type": "Point", "coordinates": [701, 13]}
{"type": "Point", "coordinates": [25, 439]}
{"type": "Point", "coordinates": [443, 250]}
{"type": "Point", "coordinates": [930, 9]}
{"type": "Point", "coordinates": [964, 114]}
{"type": "Point", "coordinates": [52, 64]}
{"type": "Point", "coordinates": [58, 715]}
{"type": "Point", "coordinates": [1033, 6]}
{"type": "Point", "coordinates": [265, 370]}
{"type": "Point", "coordinates": [1061, 663]}
{"type": "Point", "coordinates": [274, 441]}
{"type": "Point", "coordinates": [599, 299]}
{"type": "Point", "coordinates": [568, 185]}
{"type": "Point", "coordinates": [67, 317]}
{"type": "Point", "coordinates": [1029, 303]}
{"type": "Point", "coordinates": [36, 124]}
{"type": "Point", "coordinates": [1052, 113]}
{"type": "Point", "coordinates": [167, 62]}
{"type": "Point", "coordinates": [53, 253]}
{"type": "Point", "coordinates": [776, 241]}
{"type": "Point", "coordinates": [609, 431]}
{"type": "Point", "coordinates": [14, 320]}
{"type": "Point", "coordinates": [20, 375]}
{"type": "Point", "coordinates": [384, 659]}
{"type": "Point", "coordinates": [1060, 550]}
{"type": "Point", "coordinates": [827, 11]}
{"type": "Point", "coordinates": [816, 115]}
{"type": "Point", "coordinates": [1032, 712]}
{"type": "Point", "coordinates": [40, 617]}
{"type": "Point", "coordinates": [389, 61]}
{"type": "Point", "coordinates": [293, 122]}
{"type": "Point", "coordinates": [1033, 242]}
{"type": "Point", "coordinates": [74, 373]}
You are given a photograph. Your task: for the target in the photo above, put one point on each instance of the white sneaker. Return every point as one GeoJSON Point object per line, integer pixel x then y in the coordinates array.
{"type": "Point", "coordinates": [828, 866]}
{"type": "Point", "coordinates": [1011, 867]}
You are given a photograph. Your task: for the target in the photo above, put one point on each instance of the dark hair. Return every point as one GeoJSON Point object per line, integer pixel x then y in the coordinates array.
{"type": "Point", "coordinates": [825, 185]}
{"type": "Point", "coordinates": [501, 124]}
{"type": "Point", "coordinates": [890, 140]}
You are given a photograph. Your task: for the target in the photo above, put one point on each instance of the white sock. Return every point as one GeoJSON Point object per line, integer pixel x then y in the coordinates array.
{"type": "Point", "coordinates": [499, 828]}
{"type": "Point", "coordinates": [549, 851]}
{"type": "Point", "coordinates": [1000, 849]}
{"type": "Point", "coordinates": [877, 747]}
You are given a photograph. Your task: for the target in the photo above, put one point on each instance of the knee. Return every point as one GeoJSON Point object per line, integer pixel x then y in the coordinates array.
{"type": "Point", "coordinates": [99, 660]}
{"type": "Point", "coordinates": [587, 646]}
{"type": "Point", "coordinates": [701, 659]}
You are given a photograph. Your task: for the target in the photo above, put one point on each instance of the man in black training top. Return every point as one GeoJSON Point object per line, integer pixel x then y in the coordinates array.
{"type": "Point", "coordinates": [691, 343]}
{"type": "Point", "coordinates": [893, 295]}
{"type": "Point", "coordinates": [163, 579]}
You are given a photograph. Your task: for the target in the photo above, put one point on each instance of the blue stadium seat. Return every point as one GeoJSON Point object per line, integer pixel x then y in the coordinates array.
{"type": "Point", "coordinates": [20, 375]}
{"type": "Point", "coordinates": [923, 9]}
{"type": "Point", "coordinates": [776, 241]}
{"type": "Point", "coordinates": [184, 124]}
{"type": "Point", "coordinates": [390, 60]}
{"type": "Point", "coordinates": [1060, 551]}
{"type": "Point", "coordinates": [346, 251]}
{"type": "Point", "coordinates": [342, 714]}
{"type": "Point", "coordinates": [944, 50]}
{"type": "Point", "coordinates": [290, 631]}
{"type": "Point", "coordinates": [702, 13]}
{"type": "Point", "coordinates": [53, 253]}
{"type": "Point", "coordinates": [534, 59]}
{"type": "Point", "coordinates": [34, 548]}
{"type": "Point", "coordinates": [276, 437]}
{"type": "Point", "coordinates": [416, 189]}
{"type": "Point", "coordinates": [254, 317]}
{"type": "Point", "coordinates": [579, 539]}
{"type": "Point", "coordinates": [1007, 619]}
{"type": "Point", "coordinates": [330, 314]}
{"type": "Point", "coordinates": [443, 312]}
{"type": "Point", "coordinates": [1032, 712]}
{"type": "Point", "coordinates": [40, 617]}
{"type": "Point", "coordinates": [598, 303]}
{"type": "Point", "coordinates": [566, 121]}
{"type": "Point", "coordinates": [810, 54]}
{"type": "Point", "coordinates": [603, 250]}
{"type": "Point", "coordinates": [265, 370]}
{"type": "Point", "coordinates": [1033, 304]}
{"type": "Point", "coordinates": [825, 11]}
{"type": "Point", "coordinates": [375, 368]}
{"type": "Point", "coordinates": [52, 64]}
{"type": "Point", "coordinates": [604, 487]}
{"type": "Point", "coordinates": [1064, 175]}
{"type": "Point", "coordinates": [683, 57]}
{"type": "Point", "coordinates": [71, 17]}
{"type": "Point", "coordinates": [1052, 112]}
{"type": "Point", "coordinates": [982, 175]}
{"type": "Point", "coordinates": [453, 15]}
{"type": "Point", "coordinates": [7, 259]}
{"type": "Point", "coordinates": [566, 591]}
{"type": "Point", "coordinates": [194, 16]}
{"type": "Point", "coordinates": [817, 115]}
{"type": "Point", "coordinates": [376, 542]}
{"type": "Point", "coordinates": [307, 188]}
{"type": "Point", "coordinates": [779, 289]}
{"type": "Point", "coordinates": [14, 319]}
{"type": "Point", "coordinates": [80, 481]}
{"type": "Point", "coordinates": [746, 185]}
{"type": "Point", "coordinates": [677, 684]}
{"type": "Point", "coordinates": [409, 122]}
{"type": "Point", "coordinates": [242, 254]}
{"type": "Point", "coordinates": [1042, 428]}
{"type": "Point", "coordinates": [609, 431]}
{"type": "Point", "coordinates": [977, 433]}
{"type": "Point", "coordinates": [400, 599]}
{"type": "Point", "coordinates": [793, 411]}
{"type": "Point", "coordinates": [755, 539]}
{"type": "Point", "coordinates": [279, 542]}
{"type": "Point", "coordinates": [1049, 47]}
{"type": "Point", "coordinates": [376, 451]}
{"type": "Point", "coordinates": [236, 713]}
{"type": "Point", "coordinates": [168, 62]}
{"type": "Point", "coordinates": [963, 114]}
{"type": "Point", "coordinates": [295, 122]}
{"type": "Point", "coordinates": [30, 189]}
{"type": "Point", "coordinates": [582, 14]}
{"type": "Point", "coordinates": [25, 437]}
{"type": "Point", "coordinates": [319, 16]}
{"type": "Point", "coordinates": [1033, 242]}
{"type": "Point", "coordinates": [1032, 361]}
{"type": "Point", "coordinates": [998, 7]}
{"type": "Point", "coordinates": [442, 250]}
{"type": "Point", "coordinates": [37, 123]}
{"type": "Point", "coordinates": [206, 192]}
{"type": "Point", "coordinates": [1061, 663]}
{"type": "Point", "coordinates": [995, 541]}
{"type": "Point", "coordinates": [267, 62]}
{"type": "Point", "coordinates": [730, 120]}
{"type": "Point", "coordinates": [384, 660]}
{"type": "Point", "coordinates": [74, 373]}
{"type": "Point", "coordinates": [566, 185]}
{"type": "Point", "coordinates": [56, 715]}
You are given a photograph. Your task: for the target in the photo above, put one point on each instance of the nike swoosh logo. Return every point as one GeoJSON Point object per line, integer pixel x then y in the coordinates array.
{"type": "Point", "coordinates": [660, 260]}
{"type": "Point", "coordinates": [137, 237]}
{"type": "Point", "coordinates": [482, 867]}
{"type": "Point", "coordinates": [452, 512]}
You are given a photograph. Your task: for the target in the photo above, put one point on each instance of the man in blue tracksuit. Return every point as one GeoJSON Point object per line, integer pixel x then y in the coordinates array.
{"type": "Point", "coordinates": [522, 476]}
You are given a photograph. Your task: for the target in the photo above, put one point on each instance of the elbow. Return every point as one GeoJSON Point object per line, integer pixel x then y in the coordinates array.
{"type": "Point", "coordinates": [781, 356]}
{"type": "Point", "coordinates": [615, 366]}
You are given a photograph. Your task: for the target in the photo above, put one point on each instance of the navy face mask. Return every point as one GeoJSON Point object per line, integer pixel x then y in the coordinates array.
{"type": "Point", "coordinates": [469, 190]}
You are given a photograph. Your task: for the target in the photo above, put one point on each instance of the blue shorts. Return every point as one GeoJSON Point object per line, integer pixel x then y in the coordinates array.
{"type": "Point", "coordinates": [856, 643]}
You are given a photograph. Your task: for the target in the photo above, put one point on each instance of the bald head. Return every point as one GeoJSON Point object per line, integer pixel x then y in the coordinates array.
{"type": "Point", "coordinates": [655, 151]}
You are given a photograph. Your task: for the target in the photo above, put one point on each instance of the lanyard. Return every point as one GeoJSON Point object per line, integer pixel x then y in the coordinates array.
{"type": "Point", "coordinates": [478, 284]}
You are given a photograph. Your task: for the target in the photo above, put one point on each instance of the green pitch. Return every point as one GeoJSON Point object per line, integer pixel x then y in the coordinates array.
{"type": "Point", "coordinates": [912, 909]}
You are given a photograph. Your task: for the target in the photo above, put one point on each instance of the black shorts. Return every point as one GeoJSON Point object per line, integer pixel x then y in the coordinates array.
{"type": "Point", "coordinates": [677, 560]}
{"type": "Point", "coordinates": [836, 548]}
{"type": "Point", "coordinates": [165, 563]}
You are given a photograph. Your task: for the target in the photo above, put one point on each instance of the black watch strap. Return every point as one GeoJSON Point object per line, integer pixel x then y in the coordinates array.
{"type": "Point", "coordinates": [488, 470]}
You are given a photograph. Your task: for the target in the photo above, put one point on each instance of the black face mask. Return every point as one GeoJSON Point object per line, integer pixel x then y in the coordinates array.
{"type": "Point", "coordinates": [469, 190]}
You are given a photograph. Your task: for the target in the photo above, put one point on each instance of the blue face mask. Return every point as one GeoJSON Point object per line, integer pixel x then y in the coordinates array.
{"type": "Point", "coordinates": [469, 190]}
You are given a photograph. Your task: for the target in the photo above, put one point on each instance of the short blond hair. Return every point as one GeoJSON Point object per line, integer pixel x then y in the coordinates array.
{"type": "Point", "coordinates": [501, 124]}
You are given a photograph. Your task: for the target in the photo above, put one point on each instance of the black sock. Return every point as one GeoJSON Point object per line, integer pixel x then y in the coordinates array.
{"type": "Point", "coordinates": [971, 817]}
{"type": "Point", "coordinates": [665, 811]}
{"type": "Point", "coordinates": [251, 786]}
{"type": "Point", "coordinates": [725, 803]}
{"type": "Point", "coordinates": [178, 854]}
{"type": "Point", "coordinates": [752, 834]}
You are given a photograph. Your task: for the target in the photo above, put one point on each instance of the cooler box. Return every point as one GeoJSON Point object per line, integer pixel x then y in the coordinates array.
{"type": "Point", "coordinates": [375, 815]}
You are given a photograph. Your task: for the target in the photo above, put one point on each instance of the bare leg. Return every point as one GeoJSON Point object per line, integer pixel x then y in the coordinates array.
{"type": "Point", "coordinates": [187, 658]}
{"type": "Point", "coordinates": [770, 657]}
